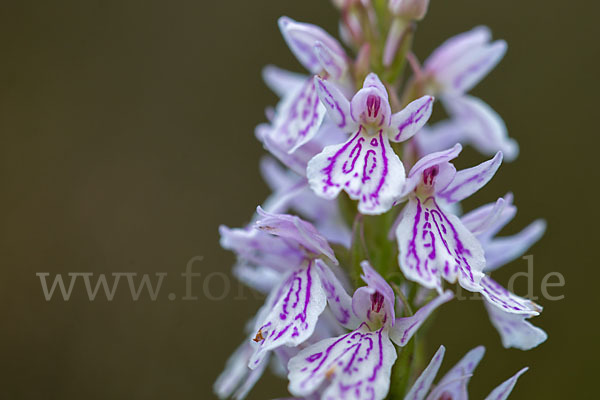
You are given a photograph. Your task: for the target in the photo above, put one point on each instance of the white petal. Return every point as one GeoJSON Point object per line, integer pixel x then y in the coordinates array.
{"type": "Point", "coordinates": [302, 37]}
{"type": "Point", "coordinates": [336, 104]}
{"type": "Point", "coordinates": [468, 181]}
{"type": "Point", "coordinates": [502, 391]}
{"type": "Point", "coordinates": [423, 383]}
{"type": "Point", "coordinates": [282, 82]}
{"type": "Point", "coordinates": [435, 245]}
{"type": "Point", "coordinates": [498, 296]}
{"type": "Point", "coordinates": [514, 330]}
{"type": "Point", "coordinates": [365, 167]}
{"type": "Point", "coordinates": [298, 117]}
{"type": "Point", "coordinates": [353, 366]}
{"type": "Point", "coordinates": [454, 384]}
{"type": "Point", "coordinates": [335, 64]}
{"type": "Point", "coordinates": [485, 218]}
{"type": "Point", "coordinates": [482, 126]}
{"type": "Point", "coordinates": [502, 250]}
{"type": "Point", "coordinates": [237, 379]}
{"type": "Point", "coordinates": [340, 302]}
{"type": "Point", "coordinates": [411, 119]}
{"type": "Point", "coordinates": [290, 314]}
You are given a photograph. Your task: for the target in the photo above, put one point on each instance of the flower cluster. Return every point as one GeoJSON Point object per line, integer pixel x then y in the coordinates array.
{"type": "Point", "coordinates": [350, 277]}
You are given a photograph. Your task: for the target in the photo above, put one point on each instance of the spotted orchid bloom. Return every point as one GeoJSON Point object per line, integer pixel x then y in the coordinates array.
{"type": "Point", "coordinates": [299, 114]}
{"type": "Point", "coordinates": [365, 166]}
{"type": "Point", "coordinates": [434, 245]}
{"type": "Point", "coordinates": [292, 308]}
{"type": "Point", "coordinates": [357, 364]}
{"type": "Point", "coordinates": [453, 386]}
{"type": "Point", "coordinates": [485, 222]}
{"type": "Point", "coordinates": [450, 72]}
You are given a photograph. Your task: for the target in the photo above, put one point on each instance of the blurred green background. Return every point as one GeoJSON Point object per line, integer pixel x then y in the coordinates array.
{"type": "Point", "coordinates": [127, 138]}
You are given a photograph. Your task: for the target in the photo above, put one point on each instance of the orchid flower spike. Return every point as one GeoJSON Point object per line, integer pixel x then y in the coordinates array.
{"type": "Point", "coordinates": [358, 364]}
{"type": "Point", "coordinates": [365, 166]}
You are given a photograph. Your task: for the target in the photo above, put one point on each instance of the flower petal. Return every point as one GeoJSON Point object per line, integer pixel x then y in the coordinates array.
{"type": "Point", "coordinates": [290, 313]}
{"type": "Point", "coordinates": [258, 277]}
{"type": "Point", "coordinates": [502, 391]}
{"type": "Point", "coordinates": [411, 119]}
{"type": "Point", "coordinates": [280, 81]}
{"type": "Point", "coordinates": [514, 330]}
{"type": "Point", "coordinates": [498, 296]}
{"type": "Point", "coordinates": [472, 66]}
{"type": "Point", "coordinates": [468, 181]}
{"type": "Point", "coordinates": [434, 244]}
{"type": "Point", "coordinates": [453, 48]}
{"type": "Point", "coordinates": [294, 228]}
{"type": "Point", "coordinates": [454, 384]}
{"type": "Point", "coordinates": [301, 39]}
{"type": "Point", "coordinates": [423, 383]}
{"type": "Point", "coordinates": [502, 250]}
{"type": "Point", "coordinates": [237, 379]}
{"type": "Point", "coordinates": [483, 218]}
{"type": "Point", "coordinates": [404, 328]}
{"type": "Point", "coordinates": [482, 126]}
{"type": "Point", "coordinates": [370, 105]}
{"type": "Point", "coordinates": [374, 302]}
{"type": "Point", "coordinates": [415, 176]}
{"type": "Point", "coordinates": [356, 365]}
{"type": "Point", "coordinates": [365, 167]}
{"type": "Point", "coordinates": [261, 249]}
{"type": "Point", "coordinates": [297, 118]}
{"type": "Point", "coordinates": [340, 302]}
{"type": "Point", "coordinates": [336, 104]}
{"type": "Point", "coordinates": [439, 136]}
{"type": "Point", "coordinates": [335, 64]}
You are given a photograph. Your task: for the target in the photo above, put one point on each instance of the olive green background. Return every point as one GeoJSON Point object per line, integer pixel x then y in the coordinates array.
{"type": "Point", "coordinates": [127, 138]}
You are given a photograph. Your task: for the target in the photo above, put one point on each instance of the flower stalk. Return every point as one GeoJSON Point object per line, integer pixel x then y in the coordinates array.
{"type": "Point", "coordinates": [358, 245]}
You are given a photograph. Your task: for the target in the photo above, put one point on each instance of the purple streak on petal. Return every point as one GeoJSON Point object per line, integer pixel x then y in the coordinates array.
{"type": "Point", "coordinates": [356, 365]}
{"type": "Point", "coordinates": [498, 296]}
{"type": "Point", "coordinates": [469, 181]}
{"type": "Point", "coordinates": [434, 245]}
{"type": "Point", "coordinates": [365, 167]}
{"type": "Point", "coordinates": [411, 119]}
{"type": "Point", "coordinates": [337, 106]}
{"type": "Point", "coordinates": [290, 313]}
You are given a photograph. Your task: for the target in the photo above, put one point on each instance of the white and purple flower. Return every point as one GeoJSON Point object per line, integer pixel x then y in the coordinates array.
{"type": "Point", "coordinates": [365, 166]}
{"type": "Point", "coordinates": [434, 245]}
{"type": "Point", "coordinates": [358, 364]}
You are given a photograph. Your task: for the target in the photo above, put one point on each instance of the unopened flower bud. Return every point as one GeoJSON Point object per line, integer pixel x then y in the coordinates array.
{"type": "Point", "coordinates": [411, 9]}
